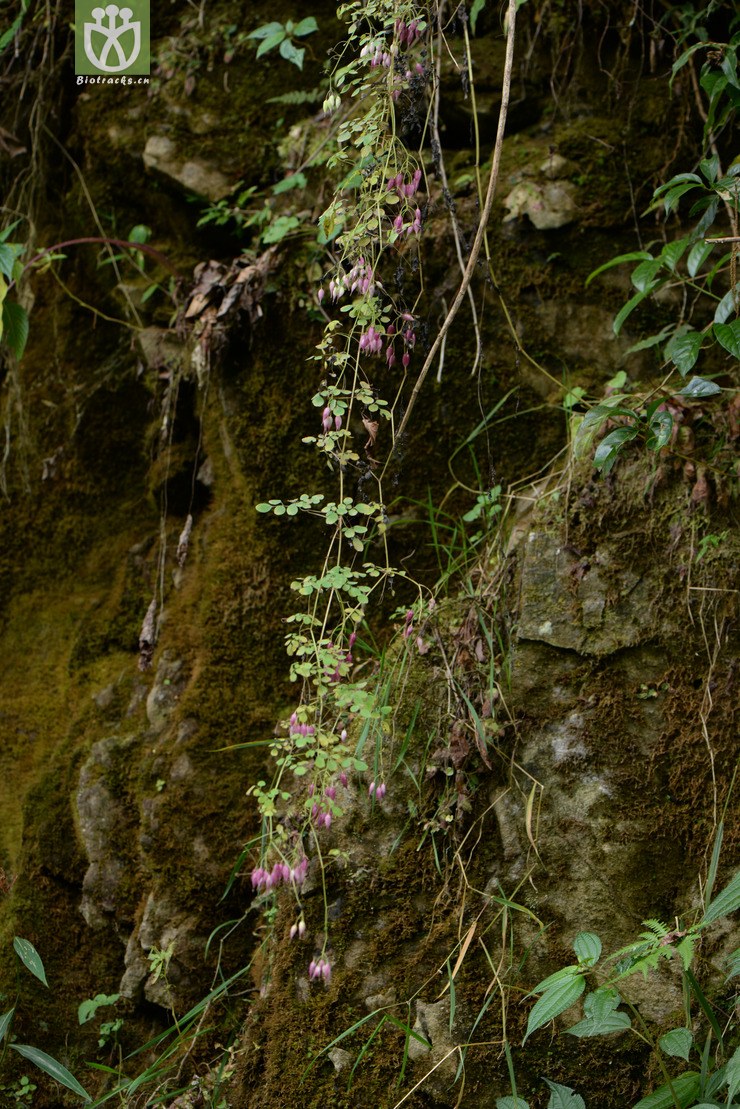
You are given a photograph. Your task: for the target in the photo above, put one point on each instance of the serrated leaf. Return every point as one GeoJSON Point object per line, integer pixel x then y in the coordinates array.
{"type": "Point", "coordinates": [511, 1103]}
{"type": "Point", "coordinates": [608, 449]}
{"type": "Point", "coordinates": [15, 327]}
{"type": "Point", "coordinates": [732, 1074]}
{"type": "Point", "coordinates": [9, 254]}
{"type": "Point", "coordinates": [5, 1020]}
{"type": "Point", "coordinates": [30, 958]}
{"type": "Point", "coordinates": [728, 336]}
{"type": "Point", "coordinates": [51, 1067]}
{"type": "Point", "coordinates": [686, 1087]}
{"type": "Point", "coordinates": [601, 1017]}
{"type": "Point", "coordinates": [677, 1043]}
{"type": "Point", "coordinates": [683, 350]}
{"type": "Point", "coordinates": [562, 1097]}
{"type": "Point", "coordinates": [651, 341]}
{"type": "Point", "coordinates": [554, 1002]}
{"type": "Point", "coordinates": [724, 903]}
{"type": "Point", "coordinates": [587, 947]}
{"type": "Point", "coordinates": [554, 979]}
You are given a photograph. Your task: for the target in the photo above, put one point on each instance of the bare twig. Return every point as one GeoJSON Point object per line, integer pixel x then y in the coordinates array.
{"type": "Point", "coordinates": [484, 217]}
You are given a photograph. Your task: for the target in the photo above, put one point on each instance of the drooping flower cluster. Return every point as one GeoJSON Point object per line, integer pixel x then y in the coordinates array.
{"type": "Point", "coordinates": [371, 341]}
{"type": "Point", "coordinates": [376, 790]}
{"type": "Point", "coordinates": [264, 880]}
{"type": "Point", "coordinates": [329, 422]}
{"type": "Point", "coordinates": [298, 929]}
{"type": "Point", "coordinates": [297, 728]}
{"type": "Point", "coordinates": [407, 34]}
{"type": "Point", "coordinates": [320, 968]}
{"type": "Point", "coordinates": [402, 187]}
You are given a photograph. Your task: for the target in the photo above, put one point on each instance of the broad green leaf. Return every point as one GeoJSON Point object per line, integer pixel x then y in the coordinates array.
{"type": "Point", "coordinates": [651, 341]}
{"type": "Point", "coordinates": [554, 979]}
{"type": "Point", "coordinates": [15, 327]}
{"type": "Point", "coordinates": [88, 1008]}
{"type": "Point", "coordinates": [633, 256]}
{"type": "Point", "coordinates": [726, 306]}
{"type": "Point", "coordinates": [294, 181]}
{"type": "Point", "coordinates": [30, 958]}
{"type": "Point", "coordinates": [671, 199]}
{"type": "Point", "coordinates": [697, 257]}
{"type": "Point", "coordinates": [279, 228]}
{"type": "Point", "coordinates": [683, 350]}
{"type": "Point", "coordinates": [724, 903]}
{"type": "Point", "coordinates": [292, 53]}
{"type": "Point", "coordinates": [686, 1087]}
{"type": "Point", "coordinates": [306, 26]}
{"type": "Point", "coordinates": [587, 947]}
{"type": "Point", "coordinates": [9, 254]}
{"type": "Point", "coordinates": [699, 387]}
{"type": "Point", "coordinates": [562, 1097]}
{"type": "Point", "coordinates": [683, 58]}
{"type": "Point", "coordinates": [660, 430]}
{"type": "Point", "coordinates": [630, 306]}
{"type": "Point", "coordinates": [271, 42]}
{"type": "Point", "coordinates": [5, 1020]}
{"type": "Point", "coordinates": [477, 8]}
{"type": "Point", "coordinates": [642, 277]}
{"type": "Point", "coordinates": [601, 1016]}
{"type": "Point", "coordinates": [609, 448]}
{"type": "Point", "coordinates": [677, 1043]}
{"type": "Point", "coordinates": [672, 253]}
{"type": "Point", "coordinates": [58, 1072]}
{"type": "Point", "coordinates": [728, 336]}
{"type": "Point", "coordinates": [511, 1103]}
{"type": "Point", "coordinates": [266, 31]}
{"type": "Point", "coordinates": [710, 168]}
{"type": "Point", "coordinates": [554, 1002]}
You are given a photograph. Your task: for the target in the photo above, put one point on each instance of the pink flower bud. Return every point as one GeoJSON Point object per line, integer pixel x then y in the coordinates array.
{"type": "Point", "coordinates": [344, 779]}
{"type": "Point", "coordinates": [320, 295]}
{"type": "Point", "coordinates": [398, 223]}
{"type": "Point", "coordinates": [327, 820]}
{"type": "Point", "coordinates": [301, 928]}
{"type": "Point", "coordinates": [293, 931]}
{"type": "Point", "coordinates": [331, 793]}
{"type": "Point", "coordinates": [313, 970]}
{"type": "Point", "coordinates": [380, 792]}
{"type": "Point", "coordinates": [405, 360]}
{"type": "Point", "coordinates": [343, 735]}
{"type": "Point", "coordinates": [371, 789]}
{"type": "Point", "coordinates": [338, 422]}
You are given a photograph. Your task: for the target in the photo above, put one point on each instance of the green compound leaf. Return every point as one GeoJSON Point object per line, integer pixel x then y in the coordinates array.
{"type": "Point", "coordinates": [51, 1067]}
{"type": "Point", "coordinates": [686, 1088]}
{"type": "Point", "coordinates": [587, 947]}
{"type": "Point", "coordinates": [677, 1043]}
{"type": "Point", "coordinates": [554, 1002]}
{"type": "Point", "coordinates": [562, 1097]}
{"type": "Point", "coordinates": [30, 958]}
